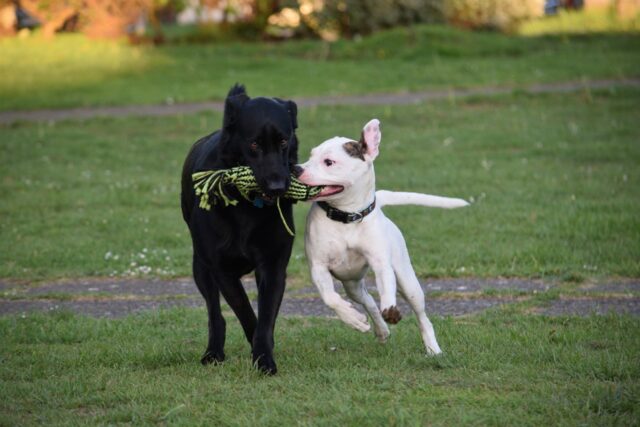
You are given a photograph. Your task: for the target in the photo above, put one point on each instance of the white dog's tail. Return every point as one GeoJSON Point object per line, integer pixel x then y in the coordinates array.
{"type": "Point", "coordinates": [390, 198]}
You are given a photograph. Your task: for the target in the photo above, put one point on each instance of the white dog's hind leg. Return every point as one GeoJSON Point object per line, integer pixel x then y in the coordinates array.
{"type": "Point", "coordinates": [323, 280]}
{"type": "Point", "coordinates": [413, 294]}
{"type": "Point", "coordinates": [357, 291]}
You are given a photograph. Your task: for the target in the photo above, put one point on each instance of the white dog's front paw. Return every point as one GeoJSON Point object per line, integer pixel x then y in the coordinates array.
{"type": "Point", "coordinates": [352, 317]}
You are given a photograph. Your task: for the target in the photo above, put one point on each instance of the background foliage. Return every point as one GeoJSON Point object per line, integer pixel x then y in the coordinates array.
{"type": "Point", "coordinates": [491, 14]}
{"type": "Point", "coordinates": [219, 20]}
{"type": "Point", "coordinates": [347, 18]}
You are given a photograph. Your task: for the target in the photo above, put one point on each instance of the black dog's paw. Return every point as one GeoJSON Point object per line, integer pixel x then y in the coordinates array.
{"type": "Point", "coordinates": [211, 357]}
{"type": "Point", "coordinates": [265, 364]}
{"type": "Point", "coordinates": [391, 315]}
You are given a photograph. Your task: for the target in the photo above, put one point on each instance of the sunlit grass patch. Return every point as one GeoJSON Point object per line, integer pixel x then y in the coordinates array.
{"type": "Point", "coordinates": [72, 71]}
{"type": "Point", "coordinates": [58, 72]}
{"type": "Point", "coordinates": [582, 22]}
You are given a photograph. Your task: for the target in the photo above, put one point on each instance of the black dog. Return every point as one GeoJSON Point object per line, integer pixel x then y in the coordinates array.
{"type": "Point", "coordinates": [229, 242]}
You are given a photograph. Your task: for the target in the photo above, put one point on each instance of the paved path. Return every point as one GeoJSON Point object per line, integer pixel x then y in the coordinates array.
{"type": "Point", "coordinates": [120, 297]}
{"type": "Point", "coordinates": [374, 99]}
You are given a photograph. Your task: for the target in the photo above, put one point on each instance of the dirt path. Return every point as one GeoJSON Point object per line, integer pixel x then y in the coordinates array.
{"type": "Point", "coordinates": [120, 297]}
{"type": "Point", "coordinates": [8, 117]}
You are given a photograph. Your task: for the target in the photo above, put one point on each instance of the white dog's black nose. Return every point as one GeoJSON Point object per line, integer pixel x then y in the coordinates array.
{"type": "Point", "coordinates": [297, 171]}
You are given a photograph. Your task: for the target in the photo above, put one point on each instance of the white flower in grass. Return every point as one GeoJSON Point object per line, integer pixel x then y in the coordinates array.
{"type": "Point", "coordinates": [144, 269]}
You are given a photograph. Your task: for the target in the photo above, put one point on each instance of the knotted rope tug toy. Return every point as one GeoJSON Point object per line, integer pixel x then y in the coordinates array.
{"type": "Point", "coordinates": [211, 183]}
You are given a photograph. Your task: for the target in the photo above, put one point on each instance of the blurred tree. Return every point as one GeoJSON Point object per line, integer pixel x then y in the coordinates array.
{"type": "Point", "coordinates": [53, 14]}
{"type": "Point", "coordinates": [263, 10]}
{"type": "Point", "coordinates": [99, 18]}
{"type": "Point", "coordinates": [331, 19]}
{"type": "Point", "coordinates": [245, 19]}
{"type": "Point", "coordinates": [492, 14]}
{"type": "Point", "coordinates": [8, 19]}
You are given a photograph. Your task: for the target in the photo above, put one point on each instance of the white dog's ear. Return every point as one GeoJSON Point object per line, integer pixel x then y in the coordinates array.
{"type": "Point", "coordinates": [370, 138]}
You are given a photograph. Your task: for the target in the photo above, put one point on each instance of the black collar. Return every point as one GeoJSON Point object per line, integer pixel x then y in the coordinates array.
{"type": "Point", "coordinates": [346, 217]}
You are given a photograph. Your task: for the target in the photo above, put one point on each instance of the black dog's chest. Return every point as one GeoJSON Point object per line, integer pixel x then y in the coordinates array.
{"type": "Point", "coordinates": [245, 230]}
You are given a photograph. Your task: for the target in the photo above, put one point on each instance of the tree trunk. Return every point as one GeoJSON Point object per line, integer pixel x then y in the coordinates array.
{"type": "Point", "coordinates": [58, 20]}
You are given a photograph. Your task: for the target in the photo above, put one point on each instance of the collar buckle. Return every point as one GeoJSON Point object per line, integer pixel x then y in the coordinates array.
{"type": "Point", "coordinates": [346, 217]}
{"type": "Point", "coordinates": [355, 217]}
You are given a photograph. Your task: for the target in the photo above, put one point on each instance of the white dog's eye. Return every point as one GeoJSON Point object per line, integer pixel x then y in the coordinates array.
{"type": "Point", "coordinates": [328, 162]}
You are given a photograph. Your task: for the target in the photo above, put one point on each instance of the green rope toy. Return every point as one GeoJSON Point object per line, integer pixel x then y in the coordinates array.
{"type": "Point", "coordinates": [211, 183]}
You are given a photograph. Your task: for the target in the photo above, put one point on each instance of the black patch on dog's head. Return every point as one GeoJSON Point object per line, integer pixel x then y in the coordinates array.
{"type": "Point", "coordinates": [355, 149]}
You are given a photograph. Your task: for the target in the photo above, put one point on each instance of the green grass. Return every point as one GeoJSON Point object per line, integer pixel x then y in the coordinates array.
{"type": "Point", "coordinates": [554, 179]}
{"type": "Point", "coordinates": [582, 22]}
{"type": "Point", "coordinates": [73, 71]}
{"type": "Point", "coordinates": [499, 368]}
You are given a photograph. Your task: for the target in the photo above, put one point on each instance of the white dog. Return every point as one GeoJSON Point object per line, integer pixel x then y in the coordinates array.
{"type": "Point", "coordinates": [347, 233]}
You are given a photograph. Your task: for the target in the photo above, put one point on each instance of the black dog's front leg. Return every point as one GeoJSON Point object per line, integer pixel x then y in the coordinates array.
{"type": "Point", "coordinates": [237, 299]}
{"type": "Point", "coordinates": [217, 327]}
{"type": "Point", "coordinates": [271, 285]}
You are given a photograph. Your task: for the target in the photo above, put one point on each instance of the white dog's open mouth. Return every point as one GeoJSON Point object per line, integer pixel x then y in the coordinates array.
{"type": "Point", "coordinates": [330, 190]}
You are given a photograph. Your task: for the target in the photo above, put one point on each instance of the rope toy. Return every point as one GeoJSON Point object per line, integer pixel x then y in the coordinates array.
{"type": "Point", "coordinates": [209, 186]}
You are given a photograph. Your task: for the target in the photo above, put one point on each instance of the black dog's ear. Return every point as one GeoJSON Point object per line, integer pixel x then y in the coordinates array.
{"type": "Point", "coordinates": [236, 98]}
{"type": "Point", "coordinates": [293, 152]}
{"type": "Point", "coordinates": [292, 108]}
{"type": "Point", "coordinates": [237, 90]}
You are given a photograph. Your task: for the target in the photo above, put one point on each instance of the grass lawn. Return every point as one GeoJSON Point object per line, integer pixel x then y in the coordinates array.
{"type": "Point", "coordinates": [500, 368]}
{"type": "Point", "coordinates": [580, 22]}
{"type": "Point", "coordinates": [73, 71]}
{"type": "Point", "coordinates": [554, 179]}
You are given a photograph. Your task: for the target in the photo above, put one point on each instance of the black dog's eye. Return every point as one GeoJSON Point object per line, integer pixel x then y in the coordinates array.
{"type": "Point", "coordinates": [254, 146]}
{"type": "Point", "coordinates": [328, 162]}
{"type": "Point", "coordinates": [284, 143]}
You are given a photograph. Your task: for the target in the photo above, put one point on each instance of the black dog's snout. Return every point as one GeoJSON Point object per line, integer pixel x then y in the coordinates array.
{"type": "Point", "coordinates": [276, 186]}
